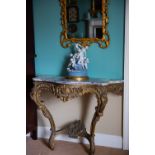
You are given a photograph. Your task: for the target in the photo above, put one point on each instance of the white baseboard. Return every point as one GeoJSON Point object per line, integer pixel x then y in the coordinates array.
{"type": "Point", "coordinates": [100, 139]}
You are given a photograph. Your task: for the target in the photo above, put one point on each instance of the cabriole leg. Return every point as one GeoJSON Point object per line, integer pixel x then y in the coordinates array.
{"type": "Point", "coordinates": [35, 95]}
{"type": "Point", "coordinates": [101, 100]}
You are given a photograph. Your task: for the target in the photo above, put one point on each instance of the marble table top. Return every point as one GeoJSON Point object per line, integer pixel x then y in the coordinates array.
{"type": "Point", "coordinates": [63, 80]}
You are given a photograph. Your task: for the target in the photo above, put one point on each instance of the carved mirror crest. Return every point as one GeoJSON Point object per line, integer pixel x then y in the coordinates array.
{"type": "Point", "coordinates": [84, 22]}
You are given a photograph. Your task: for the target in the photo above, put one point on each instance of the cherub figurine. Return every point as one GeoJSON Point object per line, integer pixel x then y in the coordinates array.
{"type": "Point", "coordinates": [78, 60]}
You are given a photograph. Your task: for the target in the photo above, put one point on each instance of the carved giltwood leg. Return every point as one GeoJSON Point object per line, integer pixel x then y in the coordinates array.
{"type": "Point", "coordinates": [47, 114]}
{"type": "Point", "coordinates": [35, 95]}
{"type": "Point", "coordinates": [92, 145]}
{"type": "Point", "coordinates": [101, 96]}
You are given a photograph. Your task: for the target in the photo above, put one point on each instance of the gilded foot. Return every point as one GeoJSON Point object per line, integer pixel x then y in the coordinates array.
{"type": "Point", "coordinates": [51, 141]}
{"type": "Point", "coordinates": [92, 146]}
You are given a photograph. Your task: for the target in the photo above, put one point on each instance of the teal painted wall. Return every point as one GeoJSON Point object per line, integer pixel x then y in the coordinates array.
{"type": "Point", "coordinates": [51, 57]}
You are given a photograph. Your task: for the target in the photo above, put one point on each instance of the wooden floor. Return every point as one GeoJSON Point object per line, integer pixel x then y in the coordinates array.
{"type": "Point", "coordinates": [40, 147]}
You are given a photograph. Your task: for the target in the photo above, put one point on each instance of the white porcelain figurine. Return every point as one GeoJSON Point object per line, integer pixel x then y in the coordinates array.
{"type": "Point", "coordinates": [78, 60]}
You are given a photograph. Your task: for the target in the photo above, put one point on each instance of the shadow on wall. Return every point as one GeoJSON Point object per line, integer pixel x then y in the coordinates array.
{"type": "Point", "coordinates": [84, 107]}
{"type": "Point", "coordinates": [66, 61]}
{"type": "Point", "coordinates": [64, 66]}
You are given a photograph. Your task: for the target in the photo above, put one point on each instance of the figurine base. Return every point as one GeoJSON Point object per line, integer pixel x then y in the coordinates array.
{"type": "Point", "coordinates": [78, 78]}
{"type": "Point", "coordinates": [78, 75]}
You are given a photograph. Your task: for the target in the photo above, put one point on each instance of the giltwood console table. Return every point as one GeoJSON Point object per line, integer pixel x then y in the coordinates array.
{"type": "Point", "coordinates": [65, 90]}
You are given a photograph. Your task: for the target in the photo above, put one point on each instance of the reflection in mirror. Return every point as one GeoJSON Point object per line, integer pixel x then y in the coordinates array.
{"type": "Point", "coordinates": [84, 18]}
{"type": "Point", "coordinates": [84, 22]}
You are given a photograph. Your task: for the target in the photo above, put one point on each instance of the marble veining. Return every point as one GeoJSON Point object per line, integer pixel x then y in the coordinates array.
{"type": "Point", "coordinates": [63, 80]}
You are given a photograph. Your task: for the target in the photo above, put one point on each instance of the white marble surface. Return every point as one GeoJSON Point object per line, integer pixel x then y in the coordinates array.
{"type": "Point", "coordinates": [63, 80]}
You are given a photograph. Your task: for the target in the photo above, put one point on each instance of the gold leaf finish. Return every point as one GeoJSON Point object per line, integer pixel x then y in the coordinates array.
{"type": "Point", "coordinates": [67, 42]}
{"type": "Point", "coordinates": [67, 92]}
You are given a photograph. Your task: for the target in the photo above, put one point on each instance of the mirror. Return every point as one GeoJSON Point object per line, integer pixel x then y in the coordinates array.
{"type": "Point", "coordinates": [84, 22]}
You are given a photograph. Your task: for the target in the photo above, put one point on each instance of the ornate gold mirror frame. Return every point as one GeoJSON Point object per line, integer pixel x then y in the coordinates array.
{"type": "Point", "coordinates": [66, 42]}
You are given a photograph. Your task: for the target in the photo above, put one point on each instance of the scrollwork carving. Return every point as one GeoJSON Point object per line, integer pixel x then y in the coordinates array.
{"type": "Point", "coordinates": [76, 129]}
{"type": "Point", "coordinates": [67, 42]}
{"type": "Point", "coordinates": [66, 92]}
{"type": "Point", "coordinates": [36, 96]}
{"type": "Point", "coordinates": [115, 88]}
